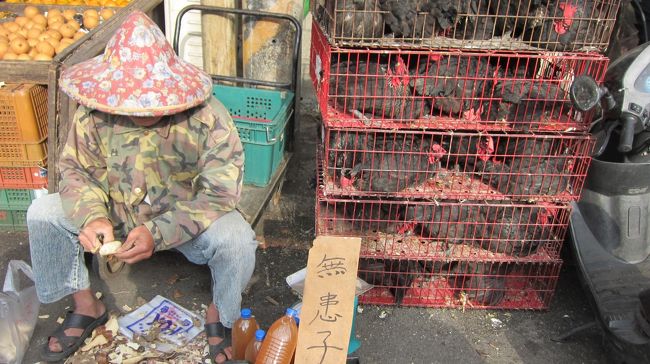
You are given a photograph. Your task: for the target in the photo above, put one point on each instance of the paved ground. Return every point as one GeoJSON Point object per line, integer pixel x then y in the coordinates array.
{"type": "Point", "coordinates": [404, 335]}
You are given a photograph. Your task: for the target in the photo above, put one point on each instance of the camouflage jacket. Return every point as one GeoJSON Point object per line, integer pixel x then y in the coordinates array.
{"type": "Point", "coordinates": [175, 177]}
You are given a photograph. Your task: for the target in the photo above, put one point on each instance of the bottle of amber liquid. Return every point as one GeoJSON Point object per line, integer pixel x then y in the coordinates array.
{"type": "Point", "coordinates": [243, 332]}
{"type": "Point", "coordinates": [254, 346]}
{"type": "Point", "coordinates": [280, 341]}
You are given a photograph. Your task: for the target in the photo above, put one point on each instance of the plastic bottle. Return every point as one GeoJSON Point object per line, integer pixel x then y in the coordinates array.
{"type": "Point", "coordinates": [254, 346]}
{"type": "Point", "coordinates": [243, 332]}
{"type": "Point", "coordinates": [280, 342]}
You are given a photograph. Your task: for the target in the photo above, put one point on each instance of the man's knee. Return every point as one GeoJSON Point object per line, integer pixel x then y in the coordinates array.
{"type": "Point", "coordinates": [232, 234]}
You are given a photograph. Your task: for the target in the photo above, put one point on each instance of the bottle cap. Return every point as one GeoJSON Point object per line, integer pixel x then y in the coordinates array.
{"type": "Point", "coordinates": [259, 335]}
{"type": "Point", "coordinates": [292, 312]}
{"type": "Point", "coordinates": [246, 313]}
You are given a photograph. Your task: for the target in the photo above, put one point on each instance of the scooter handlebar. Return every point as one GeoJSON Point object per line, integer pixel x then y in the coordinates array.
{"type": "Point", "coordinates": [629, 122]}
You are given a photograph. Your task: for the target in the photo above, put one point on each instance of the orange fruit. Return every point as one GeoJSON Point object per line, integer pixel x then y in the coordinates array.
{"type": "Point", "coordinates": [33, 42]}
{"type": "Point", "coordinates": [78, 35]}
{"type": "Point", "coordinates": [40, 19]}
{"type": "Point", "coordinates": [30, 11]}
{"type": "Point", "coordinates": [107, 13]}
{"type": "Point", "coordinates": [12, 27]}
{"type": "Point", "coordinates": [67, 31]}
{"type": "Point", "coordinates": [4, 39]}
{"type": "Point", "coordinates": [55, 26]}
{"type": "Point", "coordinates": [74, 25]}
{"type": "Point", "coordinates": [10, 56]}
{"type": "Point", "coordinates": [53, 42]}
{"type": "Point", "coordinates": [4, 47]}
{"type": "Point", "coordinates": [22, 33]}
{"type": "Point", "coordinates": [42, 57]}
{"type": "Point", "coordinates": [29, 25]}
{"type": "Point", "coordinates": [54, 34]}
{"type": "Point", "coordinates": [54, 13]}
{"type": "Point", "coordinates": [91, 12]}
{"type": "Point", "coordinates": [45, 48]}
{"type": "Point", "coordinates": [24, 57]}
{"type": "Point", "coordinates": [33, 52]}
{"type": "Point", "coordinates": [21, 20]}
{"type": "Point", "coordinates": [90, 22]}
{"type": "Point", "coordinates": [33, 33]}
{"type": "Point", "coordinates": [69, 14]}
{"type": "Point", "coordinates": [55, 19]}
{"type": "Point", "coordinates": [19, 45]}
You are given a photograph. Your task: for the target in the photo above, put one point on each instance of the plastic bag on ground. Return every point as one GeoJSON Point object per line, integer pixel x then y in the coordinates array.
{"type": "Point", "coordinates": [18, 312]}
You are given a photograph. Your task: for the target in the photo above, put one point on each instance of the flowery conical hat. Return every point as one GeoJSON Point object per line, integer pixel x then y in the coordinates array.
{"type": "Point", "coordinates": [138, 75]}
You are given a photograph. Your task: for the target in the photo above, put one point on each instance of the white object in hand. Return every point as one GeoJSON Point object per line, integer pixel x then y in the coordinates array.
{"type": "Point", "coordinates": [110, 248]}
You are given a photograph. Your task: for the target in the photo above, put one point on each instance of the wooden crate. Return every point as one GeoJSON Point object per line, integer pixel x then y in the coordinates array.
{"type": "Point", "coordinates": [60, 107]}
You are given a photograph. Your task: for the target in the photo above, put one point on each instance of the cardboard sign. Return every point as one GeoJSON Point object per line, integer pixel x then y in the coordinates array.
{"type": "Point", "coordinates": [328, 301]}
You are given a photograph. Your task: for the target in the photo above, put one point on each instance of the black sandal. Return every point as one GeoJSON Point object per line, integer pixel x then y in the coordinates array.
{"type": "Point", "coordinates": [216, 329]}
{"type": "Point", "coordinates": [70, 344]}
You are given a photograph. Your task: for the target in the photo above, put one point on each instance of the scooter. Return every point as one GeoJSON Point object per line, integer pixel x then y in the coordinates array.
{"type": "Point", "coordinates": [610, 225]}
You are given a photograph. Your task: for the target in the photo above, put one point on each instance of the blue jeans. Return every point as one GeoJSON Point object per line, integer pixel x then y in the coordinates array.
{"type": "Point", "coordinates": [227, 247]}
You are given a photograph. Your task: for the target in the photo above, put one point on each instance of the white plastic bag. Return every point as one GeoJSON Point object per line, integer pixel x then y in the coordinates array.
{"type": "Point", "coordinates": [18, 313]}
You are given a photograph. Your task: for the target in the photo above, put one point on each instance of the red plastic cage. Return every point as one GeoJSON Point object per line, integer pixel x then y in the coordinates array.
{"type": "Point", "coordinates": [563, 25]}
{"type": "Point", "coordinates": [460, 284]}
{"type": "Point", "coordinates": [446, 165]}
{"type": "Point", "coordinates": [461, 90]}
{"type": "Point", "coordinates": [447, 230]}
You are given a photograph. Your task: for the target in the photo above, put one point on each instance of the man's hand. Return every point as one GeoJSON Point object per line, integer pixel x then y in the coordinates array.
{"type": "Point", "coordinates": [138, 246]}
{"type": "Point", "coordinates": [88, 236]}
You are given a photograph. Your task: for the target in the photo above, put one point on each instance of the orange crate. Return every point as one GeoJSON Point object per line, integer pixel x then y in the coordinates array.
{"type": "Point", "coordinates": [30, 178]}
{"type": "Point", "coordinates": [23, 113]}
{"type": "Point", "coordinates": [23, 155]}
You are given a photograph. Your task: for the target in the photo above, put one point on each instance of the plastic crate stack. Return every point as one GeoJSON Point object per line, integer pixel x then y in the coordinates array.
{"type": "Point", "coordinates": [23, 151]}
{"type": "Point", "coordinates": [450, 144]}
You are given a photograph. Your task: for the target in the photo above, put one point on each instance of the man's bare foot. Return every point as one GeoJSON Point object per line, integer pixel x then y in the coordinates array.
{"type": "Point", "coordinates": [212, 316]}
{"type": "Point", "coordinates": [85, 304]}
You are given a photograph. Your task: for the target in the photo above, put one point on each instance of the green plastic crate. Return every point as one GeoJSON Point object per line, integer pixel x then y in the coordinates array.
{"type": "Point", "coordinates": [261, 117]}
{"type": "Point", "coordinates": [16, 199]}
{"type": "Point", "coordinates": [13, 220]}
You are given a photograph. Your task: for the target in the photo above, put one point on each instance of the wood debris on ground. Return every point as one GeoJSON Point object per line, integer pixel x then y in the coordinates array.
{"type": "Point", "coordinates": [107, 346]}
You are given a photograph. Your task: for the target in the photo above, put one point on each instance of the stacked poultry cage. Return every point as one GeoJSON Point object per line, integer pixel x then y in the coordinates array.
{"type": "Point", "coordinates": [450, 144]}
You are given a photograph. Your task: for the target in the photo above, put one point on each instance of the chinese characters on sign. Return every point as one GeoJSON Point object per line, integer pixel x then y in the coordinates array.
{"type": "Point", "coordinates": [328, 300]}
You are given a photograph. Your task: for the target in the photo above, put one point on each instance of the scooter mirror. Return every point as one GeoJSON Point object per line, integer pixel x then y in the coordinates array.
{"type": "Point", "coordinates": [585, 93]}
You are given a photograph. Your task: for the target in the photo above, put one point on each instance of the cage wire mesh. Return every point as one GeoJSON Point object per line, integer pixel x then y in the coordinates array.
{"type": "Point", "coordinates": [461, 90]}
{"type": "Point", "coordinates": [474, 230]}
{"type": "Point", "coordinates": [459, 283]}
{"type": "Point", "coordinates": [454, 165]}
{"type": "Point", "coordinates": [555, 25]}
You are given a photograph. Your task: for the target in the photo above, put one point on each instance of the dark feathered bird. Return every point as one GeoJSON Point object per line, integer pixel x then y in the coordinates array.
{"type": "Point", "coordinates": [470, 152]}
{"type": "Point", "coordinates": [357, 19]}
{"type": "Point", "coordinates": [401, 17]}
{"type": "Point", "coordinates": [453, 223]}
{"type": "Point", "coordinates": [568, 26]}
{"type": "Point", "coordinates": [530, 167]}
{"type": "Point", "coordinates": [515, 17]}
{"type": "Point", "coordinates": [396, 275]}
{"type": "Point", "coordinates": [527, 104]}
{"type": "Point", "coordinates": [482, 284]}
{"type": "Point", "coordinates": [376, 89]}
{"type": "Point", "coordinates": [515, 231]}
{"type": "Point", "coordinates": [474, 21]}
{"type": "Point", "coordinates": [454, 83]}
{"type": "Point", "coordinates": [396, 162]}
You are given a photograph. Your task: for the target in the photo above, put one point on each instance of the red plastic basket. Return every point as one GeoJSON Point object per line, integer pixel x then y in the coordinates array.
{"type": "Point", "coordinates": [444, 90]}
{"type": "Point", "coordinates": [29, 178]}
{"type": "Point", "coordinates": [446, 165]}
{"type": "Point", "coordinates": [568, 25]}
{"type": "Point", "coordinates": [460, 284]}
{"type": "Point", "coordinates": [446, 229]}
